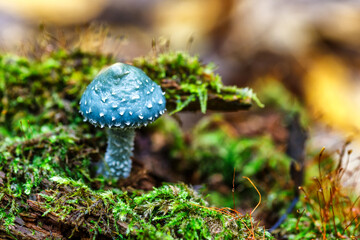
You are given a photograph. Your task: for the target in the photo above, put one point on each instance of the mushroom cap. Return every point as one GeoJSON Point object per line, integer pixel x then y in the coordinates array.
{"type": "Point", "coordinates": [123, 96]}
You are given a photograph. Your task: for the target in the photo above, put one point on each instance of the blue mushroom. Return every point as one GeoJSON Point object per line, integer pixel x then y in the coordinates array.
{"type": "Point", "coordinates": [121, 97]}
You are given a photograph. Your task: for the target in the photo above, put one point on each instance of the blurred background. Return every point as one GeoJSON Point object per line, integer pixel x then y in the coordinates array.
{"type": "Point", "coordinates": [311, 47]}
{"type": "Point", "coordinates": [299, 56]}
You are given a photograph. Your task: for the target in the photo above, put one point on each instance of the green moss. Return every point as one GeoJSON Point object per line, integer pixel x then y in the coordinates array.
{"type": "Point", "coordinates": [188, 79]}
{"type": "Point", "coordinates": [46, 91]}
{"type": "Point", "coordinates": [27, 163]}
{"type": "Point", "coordinates": [49, 168]}
{"type": "Point", "coordinates": [40, 169]}
{"type": "Point", "coordinates": [167, 212]}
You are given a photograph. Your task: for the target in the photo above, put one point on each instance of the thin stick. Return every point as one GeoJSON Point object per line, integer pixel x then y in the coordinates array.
{"type": "Point", "coordinates": [346, 164]}
{"type": "Point", "coordinates": [257, 192]}
{"type": "Point", "coordinates": [321, 217]}
{"type": "Point", "coordinates": [297, 222]}
{"type": "Point", "coordinates": [233, 189]}
{"type": "Point", "coordinates": [350, 224]}
{"type": "Point", "coordinates": [189, 43]}
{"type": "Point", "coordinates": [320, 156]}
{"type": "Point", "coordinates": [22, 129]}
{"type": "Point", "coordinates": [264, 233]}
{"type": "Point", "coordinates": [341, 155]}
{"type": "Point", "coordinates": [153, 47]}
{"type": "Point", "coordinates": [332, 209]}
{"type": "Point", "coordinates": [252, 227]}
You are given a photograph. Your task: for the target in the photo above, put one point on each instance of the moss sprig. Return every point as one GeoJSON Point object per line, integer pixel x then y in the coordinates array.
{"type": "Point", "coordinates": [189, 81]}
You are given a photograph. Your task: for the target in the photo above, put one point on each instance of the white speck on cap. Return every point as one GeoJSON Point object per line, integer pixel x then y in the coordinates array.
{"type": "Point", "coordinates": [134, 97]}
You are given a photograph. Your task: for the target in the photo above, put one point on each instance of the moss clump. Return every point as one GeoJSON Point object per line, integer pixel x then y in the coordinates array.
{"type": "Point", "coordinates": [26, 163]}
{"type": "Point", "coordinates": [189, 82]}
{"type": "Point", "coordinates": [47, 90]}
{"type": "Point", "coordinates": [37, 187]}
{"type": "Point", "coordinates": [46, 189]}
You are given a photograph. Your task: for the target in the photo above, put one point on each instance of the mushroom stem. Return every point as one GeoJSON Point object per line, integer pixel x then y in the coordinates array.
{"type": "Point", "coordinates": [118, 153]}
